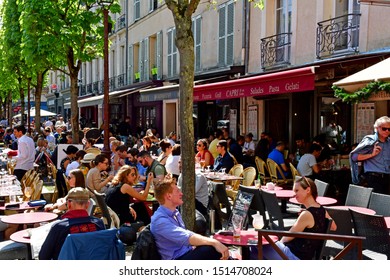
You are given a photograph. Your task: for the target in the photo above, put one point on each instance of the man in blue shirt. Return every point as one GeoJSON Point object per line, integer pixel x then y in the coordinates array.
{"type": "Point", "coordinates": [374, 152]}
{"type": "Point", "coordinates": [173, 240]}
{"type": "Point", "coordinates": [277, 155]}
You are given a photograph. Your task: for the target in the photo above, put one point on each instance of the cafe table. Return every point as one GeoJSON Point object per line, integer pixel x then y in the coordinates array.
{"type": "Point", "coordinates": [21, 206]}
{"type": "Point", "coordinates": [387, 220]}
{"type": "Point", "coordinates": [29, 219]}
{"type": "Point", "coordinates": [247, 238]}
{"type": "Point", "coordinates": [23, 236]}
{"type": "Point", "coordinates": [355, 208]}
{"type": "Point", "coordinates": [323, 200]}
{"type": "Point", "coordinates": [283, 195]}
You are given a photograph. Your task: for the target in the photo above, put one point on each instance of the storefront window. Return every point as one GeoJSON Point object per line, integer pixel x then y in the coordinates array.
{"type": "Point", "coordinates": [334, 122]}
{"type": "Point", "coordinates": [146, 117]}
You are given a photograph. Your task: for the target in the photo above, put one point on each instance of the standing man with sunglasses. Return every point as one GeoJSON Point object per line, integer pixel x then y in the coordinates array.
{"type": "Point", "coordinates": [374, 152]}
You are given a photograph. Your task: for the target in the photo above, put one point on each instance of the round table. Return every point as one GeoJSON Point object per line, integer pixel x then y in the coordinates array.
{"type": "Point", "coordinates": [29, 218]}
{"type": "Point", "coordinates": [323, 200]}
{"type": "Point", "coordinates": [21, 236]}
{"type": "Point", "coordinates": [276, 188]}
{"type": "Point", "coordinates": [247, 238]}
{"type": "Point", "coordinates": [22, 206]}
{"type": "Point", "coordinates": [355, 208]}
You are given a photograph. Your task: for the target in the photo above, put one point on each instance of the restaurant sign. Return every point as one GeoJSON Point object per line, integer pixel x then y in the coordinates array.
{"type": "Point", "coordinates": [298, 80]}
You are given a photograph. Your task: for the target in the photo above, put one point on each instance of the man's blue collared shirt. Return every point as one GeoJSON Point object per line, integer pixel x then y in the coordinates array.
{"type": "Point", "coordinates": [168, 229]}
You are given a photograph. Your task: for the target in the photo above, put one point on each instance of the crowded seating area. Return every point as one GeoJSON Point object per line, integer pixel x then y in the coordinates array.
{"type": "Point", "coordinates": [254, 199]}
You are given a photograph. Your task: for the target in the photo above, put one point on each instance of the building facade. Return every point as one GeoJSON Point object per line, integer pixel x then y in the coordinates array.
{"type": "Point", "coordinates": [261, 70]}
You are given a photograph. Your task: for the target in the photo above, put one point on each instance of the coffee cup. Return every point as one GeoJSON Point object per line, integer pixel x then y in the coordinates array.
{"type": "Point", "coordinates": [270, 186]}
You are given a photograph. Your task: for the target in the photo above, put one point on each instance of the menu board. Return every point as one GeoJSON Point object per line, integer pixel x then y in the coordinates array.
{"type": "Point", "coordinates": [365, 120]}
{"type": "Point", "coordinates": [241, 206]}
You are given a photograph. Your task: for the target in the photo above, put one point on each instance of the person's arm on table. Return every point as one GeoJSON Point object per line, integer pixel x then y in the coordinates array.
{"type": "Point", "coordinates": [199, 240]}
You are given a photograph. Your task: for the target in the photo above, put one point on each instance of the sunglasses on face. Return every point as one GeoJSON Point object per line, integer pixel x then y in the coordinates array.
{"type": "Point", "coordinates": [385, 128]}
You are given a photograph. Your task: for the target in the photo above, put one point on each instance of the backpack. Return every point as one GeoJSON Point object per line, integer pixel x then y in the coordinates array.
{"type": "Point", "coordinates": [146, 248]}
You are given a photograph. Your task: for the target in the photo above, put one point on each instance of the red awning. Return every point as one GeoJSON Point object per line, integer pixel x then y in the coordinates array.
{"type": "Point", "coordinates": [297, 80]}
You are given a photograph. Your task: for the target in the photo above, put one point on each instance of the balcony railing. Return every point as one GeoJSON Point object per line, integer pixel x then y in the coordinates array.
{"type": "Point", "coordinates": [120, 23]}
{"type": "Point", "coordinates": [111, 83]}
{"type": "Point", "coordinates": [275, 50]}
{"type": "Point", "coordinates": [95, 87]}
{"type": "Point", "coordinates": [120, 80]}
{"type": "Point", "coordinates": [338, 36]}
{"type": "Point", "coordinates": [89, 88]}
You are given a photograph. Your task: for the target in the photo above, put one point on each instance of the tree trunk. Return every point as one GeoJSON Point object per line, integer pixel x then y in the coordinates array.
{"type": "Point", "coordinates": [182, 12]}
{"type": "Point", "coordinates": [38, 97]}
{"type": "Point", "coordinates": [74, 93]}
{"type": "Point", "coordinates": [22, 102]}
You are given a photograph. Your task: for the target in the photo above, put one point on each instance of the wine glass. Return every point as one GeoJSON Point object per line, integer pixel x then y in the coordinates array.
{"type": "Point", "coordinates": [28, 192]}
{"type": "Point", "coordinates": [202, 164]}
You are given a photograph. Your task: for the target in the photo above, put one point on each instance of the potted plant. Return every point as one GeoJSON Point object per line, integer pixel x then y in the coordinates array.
{"type": "Point", "coordinates": [137, 76]}
{"type": "Point", "coordinates": [154, 72]}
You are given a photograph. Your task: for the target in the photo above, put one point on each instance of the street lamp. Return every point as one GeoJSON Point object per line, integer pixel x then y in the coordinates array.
{"type": "Point", "coordinates": [105, 4]}
{"type": "Point", "coordinates": [57, 94]}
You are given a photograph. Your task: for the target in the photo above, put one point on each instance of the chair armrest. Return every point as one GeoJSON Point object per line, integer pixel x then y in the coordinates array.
{"type": "Point", "coordinates": [352, 240]}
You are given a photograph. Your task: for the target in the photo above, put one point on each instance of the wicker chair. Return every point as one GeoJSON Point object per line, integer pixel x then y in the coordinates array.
{"type": "Point", "coordinates": [322, 187]}
{"type": "Point", "coordinates": [249, 175]}
{"type": "Point", "coordinates": [374, 229]}
{"type": "Point", "coordinates": [380, 203]}
{"type": "Point", "coordinates": [358, 196]}
{"type": "Point", "coordinates": [274, 170]}
{"type": "Point", "coordinates": [262, 169]}
{"type": "Point", "coordinates": [37, 190]}
{"type": "Point", "coordinates": [294, 171]}
{"type": "Point", "coordinates": [232, 186]}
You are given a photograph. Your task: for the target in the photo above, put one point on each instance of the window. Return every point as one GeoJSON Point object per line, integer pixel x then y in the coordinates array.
{"type": "Point", "coordinates": [196, 30]}
{"type": "Point", "coordinates": [348, 10]}
{"type": "Point", "coordinates": [153, 5]}
{"type": "Point", "coordinates": [172, 53]}
{"type": "Point", "coordinates": [226, 29]}
{"type": "Point", "coordinates": [137, 9]}
{"type": "Point", "coordinates": [283, 26]}
{"type": "Point", "coordinates": [144, 60]}
{"type": "Point", "coordinates": [146, 117]}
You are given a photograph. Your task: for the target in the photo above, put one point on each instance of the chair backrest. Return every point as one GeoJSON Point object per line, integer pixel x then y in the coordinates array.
{"type": "Point", "coordinates": [374, 228]}
{"type": "Point", "coordinates": [322, 187]}
{"type": "Point", "coordinates": [146, 248]}
{"type": "Point", "coordinates": [262, 169]}
{"type": "Point", "coordinates": [294, 171]}
{"type": "Point", "coordinates": [274, 212]}
{"type": "Point", "coordinates": [249, 175]}
{"type": "Point", "coordinates": [257, 204]}
{"type": "Point", "coordinates": [380, 203]}
{"type": "Point", "coordinates": [274, 171]}
{"type": "Point", "coordinates": [100, 198]}
{"type": "Point", "coordinates": [236, 170]}
{"type": "Point", "coordinates": [37, 190]}
{"type": "Point", "coordinates": [96, 245]}
{"type": "Point", "coordinates": [358, 196]}
{"type": "Point", "coordinates": [220, 201]}
{"type": "Point", "coordinates": [66, 182]}
{"type": "Point", "coordinates": [342, 219]}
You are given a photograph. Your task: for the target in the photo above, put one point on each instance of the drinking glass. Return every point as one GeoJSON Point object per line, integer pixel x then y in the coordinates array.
{"type": "Point", "coordinates": [202, 164]}
{"type": "Point", "coordinates": [237, 225]}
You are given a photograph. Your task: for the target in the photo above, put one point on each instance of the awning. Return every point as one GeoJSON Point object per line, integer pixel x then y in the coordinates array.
{"type": "Point", "coordinates": [289, 81]}
{"type": "Point", "coordinates": [96, 100]}
{"type": "Point", "coordinates": [159, 93]}
{"type": "Point", "coordinates": [377, 72]}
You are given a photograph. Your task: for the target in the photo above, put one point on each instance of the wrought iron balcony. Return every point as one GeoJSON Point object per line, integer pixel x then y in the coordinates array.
{"type": "Point", "coordinates": [338, 36]}
{"type": "Point", "coordinates": [275, 50]}
{"type": "Point", "coordinates": [120, 80]}
{"type": "Point", "coordinates": [82, 90]}
{"type": "Point", "coordinates": [95, 87]}
{"type": "Point", "coordinates": [101, 86]}
{"type": "Point", "coordinates": [89, 88]}
{"type": "Point", "coordinates": [120, 23]}
{"type": "Point", "coordinates": [111, 83]}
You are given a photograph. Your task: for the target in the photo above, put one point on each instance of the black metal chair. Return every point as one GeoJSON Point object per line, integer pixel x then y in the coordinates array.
{"type": "Point", "coordinates": [374, 229]}
{"type": "Point", "coordinates": [380, 203]}
{"type": "Point", "coordinates": [343, 221]}
{"type": "Point", "coordinates": [220, 201]}
{"type": "Point", "coordinates": [257, 204]}
{"type": "Point", "coordinates": [358, 196]}
{"type": "Point", "coordinates": [322, 187]}
{"type": "Point", "coordinates": [276, 219]}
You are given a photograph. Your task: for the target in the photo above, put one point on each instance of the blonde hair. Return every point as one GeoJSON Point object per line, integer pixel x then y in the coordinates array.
{"type": "Point", "coordinates": [123, 172]}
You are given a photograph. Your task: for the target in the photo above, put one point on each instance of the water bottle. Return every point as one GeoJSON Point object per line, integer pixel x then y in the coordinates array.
{"type": "Point", "coordinates": [212, 221]}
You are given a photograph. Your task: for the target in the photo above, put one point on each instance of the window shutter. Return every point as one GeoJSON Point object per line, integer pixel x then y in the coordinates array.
{"type": "Point", "coordinates": [169, 55]}
{"type": "Point", "coordinates": [229, 34]}
{"type": "Point", "coordinates": [137, 10]}
{"type": "Point", "coordinates": [130, 66]}
{"type": "Point", "coordinates": [174, 56]}
{"type": "Point", "coordinates": [159, 55]}
{"type": "Point", "coordinates": [146, 60]}
{"type": "Point", "coordinates": [222, 34]}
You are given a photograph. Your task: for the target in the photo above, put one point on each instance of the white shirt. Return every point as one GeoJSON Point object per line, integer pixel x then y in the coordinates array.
{"type": "Point", "coordinates": [249, 146]}
{"type": "Point", "coordinates": [201, 188]}
{"type": "Point", "coordinates": [305, 164]}
{"type": "Point", "coordinates": [73, 165]}
{"type": "Point", "coordinates": [172, 164]}
{"type": "Point", "coordinates": [26, 153]}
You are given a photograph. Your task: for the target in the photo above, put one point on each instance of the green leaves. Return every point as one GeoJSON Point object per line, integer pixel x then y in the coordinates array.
{"type": "Point", "coordinates": [363, 93]}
